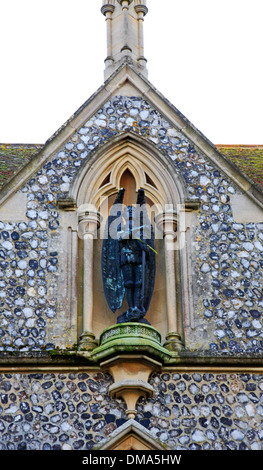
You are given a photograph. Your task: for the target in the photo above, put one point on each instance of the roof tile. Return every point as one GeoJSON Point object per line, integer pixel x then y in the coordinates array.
{"type": "Point", "coordinates": [248, 158]}
{"type": "Point", "coordinates": [13, 157]}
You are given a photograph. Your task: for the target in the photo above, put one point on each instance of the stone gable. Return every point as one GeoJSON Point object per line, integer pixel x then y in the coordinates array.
{"type": "Point", "coordinates": [227, 258]}
{"type": "Point", "coordinates": [70, 378]}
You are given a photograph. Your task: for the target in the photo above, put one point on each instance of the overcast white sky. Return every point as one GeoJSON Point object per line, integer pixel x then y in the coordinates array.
{"type": "Point", "coordinates": [205, 56]}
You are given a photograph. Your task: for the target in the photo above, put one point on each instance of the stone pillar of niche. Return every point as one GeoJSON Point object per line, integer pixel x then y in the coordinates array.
{"type": "Point", "coordinates": [89, 222]}
{"type": "Point", "coordinates": [167, 222]}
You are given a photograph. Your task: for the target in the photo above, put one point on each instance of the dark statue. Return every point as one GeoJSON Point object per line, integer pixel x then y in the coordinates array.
{"type": "Point", "coordinates": [128, 259]}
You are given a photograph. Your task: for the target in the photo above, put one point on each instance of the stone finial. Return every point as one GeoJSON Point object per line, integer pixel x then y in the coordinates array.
{"type": "Point", "coordinates": [124, 20]}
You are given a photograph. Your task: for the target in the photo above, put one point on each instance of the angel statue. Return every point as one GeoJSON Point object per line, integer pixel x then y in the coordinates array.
{"type": "Point", "coordinates": [128, 259]}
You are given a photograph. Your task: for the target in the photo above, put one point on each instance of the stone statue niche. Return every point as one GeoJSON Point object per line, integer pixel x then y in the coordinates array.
{"type": "Point", "coordinates": [129, 259]}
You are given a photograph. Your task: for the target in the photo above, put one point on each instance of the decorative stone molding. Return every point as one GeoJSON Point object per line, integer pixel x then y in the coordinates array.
{"type": "Point", "coordinates": [140, 7]}
{"type": "Point", "coordinates": [137, 330]}
{"type": "Point", "coordinates": [130, 337]}
{"type": "Point", "coordinates": [107, 8]}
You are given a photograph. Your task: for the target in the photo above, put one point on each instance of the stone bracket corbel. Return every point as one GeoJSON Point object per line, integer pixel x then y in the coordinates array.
{"type": "Point", "coordinates": [130, 352]}
{"type": "Point", "coordinates": [131, 391]}
{"type": "Point", "coordinates": [131, 374]}
{"type": "Point", "coordinates": [67, 204]}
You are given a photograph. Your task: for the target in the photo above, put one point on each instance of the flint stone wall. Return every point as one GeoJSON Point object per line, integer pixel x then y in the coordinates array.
{"type": "Point", "coordinates": [227, 258]}
{"type": "Point", "coordinates": [73, 410]}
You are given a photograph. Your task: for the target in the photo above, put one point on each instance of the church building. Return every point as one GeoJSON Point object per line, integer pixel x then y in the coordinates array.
{"type": "Point", "coordinates": [120, 332]}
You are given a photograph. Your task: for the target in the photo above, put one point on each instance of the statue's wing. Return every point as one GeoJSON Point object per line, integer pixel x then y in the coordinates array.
{"type": "Point", "coordinates": [110, 261]}
{"type": "Point", "coordinates": [148, 236]}
{"type": "Point", "coordinates": [150, 269]}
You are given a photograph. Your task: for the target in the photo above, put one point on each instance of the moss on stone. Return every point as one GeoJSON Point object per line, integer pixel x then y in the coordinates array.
{"type": "Point", "coordinates": [248, 158]}
{"type": "Point", "coordinates": [13, 157]}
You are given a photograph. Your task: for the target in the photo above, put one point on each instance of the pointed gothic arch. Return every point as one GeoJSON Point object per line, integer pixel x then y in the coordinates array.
{"type": "Point", "coordinates": [93, 191]}
{"type": "Point", "coordinates": [151, 169]}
